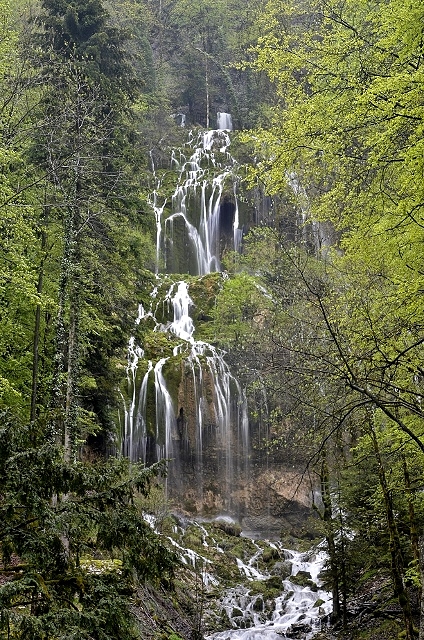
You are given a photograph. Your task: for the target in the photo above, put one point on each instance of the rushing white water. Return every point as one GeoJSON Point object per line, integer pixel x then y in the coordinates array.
{"type": "Point", "coordinates": [224, 121]}
{"type": "Point", "coordinates": [134, 429]}
{"type": "Point", "coordinates": [296, 607]}
{"type": "Point", "coordinates": [204, 209]}
{"type": "Point", "coordinates": [298, 611]}
{"type": "Point", "coordinates": [218, 399]}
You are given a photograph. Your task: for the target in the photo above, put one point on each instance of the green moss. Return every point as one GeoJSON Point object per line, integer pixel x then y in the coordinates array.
{"type": "Point", "coordinates": [172, 636]}
{"type": "Point", "coordinates": [270, 554]}
{"type": "Point", "coordinates": [303, 579]}
{"type": "Point", "coordinates": [193, 538]}
{"type": "Point", "coordinates": [157, 345]}
{"type": "Point", "coordinates": [230, 528]}
{"type": "Point", "coordinates": [172, 372]}
{"type": "Point", "coordinates": [92, 565]}
{"type": "Point", "coordinates": [269, 589]}
{"type": "Point", "coordinates": [227, 571]}
{"type": "Point", "coordinates": [203, 291]}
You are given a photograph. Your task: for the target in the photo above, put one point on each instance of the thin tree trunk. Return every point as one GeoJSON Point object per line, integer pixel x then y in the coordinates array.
{"type": "Point", "coordinates": [421, 549]}
{"type": "Point", "coordinates": [36, 340]}
{"type": "Point", "coordinates": [71, 410]}
{"type": "Point", "coordinates": [341, 566]}
{"type": "Point", "coordinates": [59, 356]}
{"type": "Point", "coordinates": [397, 563]}
{"type": "Point", "coordinates": [35, 352]}
{"type": "Point", "coordinates": [207, 89]}
{"type": "Point", "coordinates": [413, 527]}
{"type": "Point", "coordinates": [329, 536]}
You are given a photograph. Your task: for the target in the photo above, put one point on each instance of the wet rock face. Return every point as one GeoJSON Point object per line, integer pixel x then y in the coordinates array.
{"type": "Point", "coordinates": [215, 468]}
{"type": "Point", "coordinates": [220, 474]}
{"type": "Point", "coordinates": [195, 415]}
{"type": "Point", "coordinates": [282, 569]}
{"type": "Point", "coordinates": [266, 503]}
{"type": "Point", "coordinates": [189, 408]}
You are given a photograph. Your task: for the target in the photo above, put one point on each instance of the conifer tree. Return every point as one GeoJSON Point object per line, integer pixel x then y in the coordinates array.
{"type": "Point", "coordinates": [84, 127]}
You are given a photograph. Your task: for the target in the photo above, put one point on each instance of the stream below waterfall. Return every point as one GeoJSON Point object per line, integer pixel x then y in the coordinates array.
{"type": "Point", "coordinates": [299, 609]}
{"type": "Point", "coordinates": [252, 588]}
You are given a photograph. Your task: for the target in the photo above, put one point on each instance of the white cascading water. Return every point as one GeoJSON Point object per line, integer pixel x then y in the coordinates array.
{"type": "Point", "coordinates": [194, 224]}
{"type": "Point", "coordinates": [203, 360]}
{"type": "Point", "coordinates": [224, 121]}
{"type": "Point", "coordinates": [298, 610]}
{"type": "Point", "coordinates": [191, 225]}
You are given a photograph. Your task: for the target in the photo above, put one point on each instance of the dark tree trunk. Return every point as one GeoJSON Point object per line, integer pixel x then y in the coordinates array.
{"type": "Point", "coordinates": [397, 564]}
{"type": "Point", "coordinates": [327, 517]}
{"type": "Point", "coordinates": [421, 550]}
{"type": "Point", "coordinates": [37, 326]}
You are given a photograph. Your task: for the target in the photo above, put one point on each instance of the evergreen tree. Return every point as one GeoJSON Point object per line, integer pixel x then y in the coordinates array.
{"type": "Point", "coordinates": [82, 142]}
{"type": "Point", "coordinates": [73, 542]}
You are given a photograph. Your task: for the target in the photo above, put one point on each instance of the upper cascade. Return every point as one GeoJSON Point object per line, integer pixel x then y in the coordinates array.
{"type": "Point", "coordinates": [224, 121]}
{"type": "Point", "coordinates": [201, 218]}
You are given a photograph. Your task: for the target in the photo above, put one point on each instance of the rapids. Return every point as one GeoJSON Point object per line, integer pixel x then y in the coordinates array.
{"type": "Point", "coordinates": [299, 609]}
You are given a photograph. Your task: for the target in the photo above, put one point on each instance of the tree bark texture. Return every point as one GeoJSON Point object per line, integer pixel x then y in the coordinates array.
{"type": "Point", "coordinates": [397, 563]}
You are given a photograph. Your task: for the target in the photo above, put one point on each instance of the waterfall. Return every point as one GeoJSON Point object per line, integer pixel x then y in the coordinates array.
{"type": "Point", "coordinates": [215, 417]}
{"type": "Point", "coordinates": [203, 217]}
{"type": "Point", "coordinates": [184, 400]}
{"type": "Point", "coordinates": [224, 121]}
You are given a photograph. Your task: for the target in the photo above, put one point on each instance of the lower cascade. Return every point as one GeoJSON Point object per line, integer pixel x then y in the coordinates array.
{"type": "Point", "coordinates": [298, 611]}
{"type": "Point", "coordinates": [251, 589]}
{"type": "Point", "coordinates": [184, 403]}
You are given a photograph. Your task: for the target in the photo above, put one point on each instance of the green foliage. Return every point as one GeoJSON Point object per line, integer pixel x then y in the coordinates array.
{"type": "Point", "coordinates": [239, 308]}
{"type": "Point", "coordinates": [92, 213]}
{"type": "Point", "coordinates": [80, 31]}
{"type": "Point", "coordinates": [54, 518]}
{"type": "Point", "coordinates": [196, 48]}
{"type": "Point", "coordinates": [344, 147]}
{"type": "Point", "coordinates": [20, 247]}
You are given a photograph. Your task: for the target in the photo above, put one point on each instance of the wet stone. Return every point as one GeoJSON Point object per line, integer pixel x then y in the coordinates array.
{"type": "Point", "coordinates": [282, 569]}
{"type": "Point", "coordinates": [298, 631]}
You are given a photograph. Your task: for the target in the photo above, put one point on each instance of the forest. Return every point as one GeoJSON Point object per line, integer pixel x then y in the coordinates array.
{"type": "Point", "coordinates": [319, 312]}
